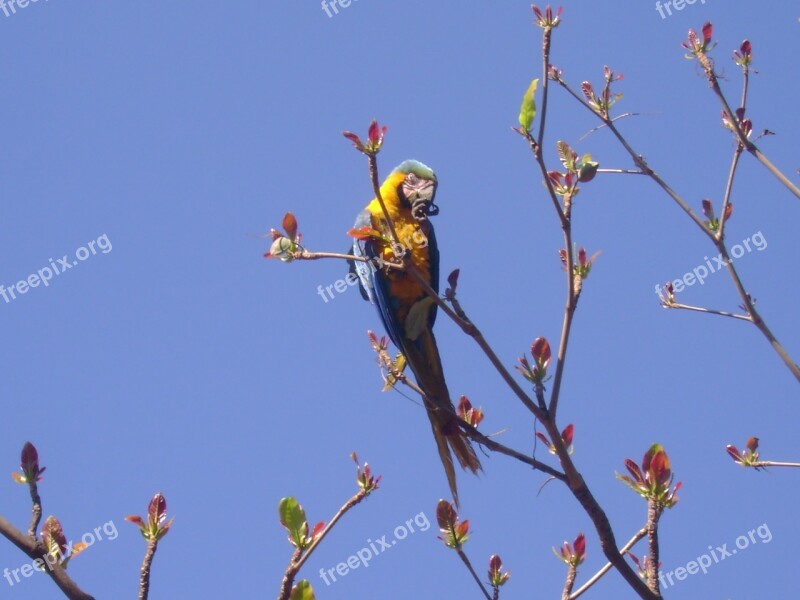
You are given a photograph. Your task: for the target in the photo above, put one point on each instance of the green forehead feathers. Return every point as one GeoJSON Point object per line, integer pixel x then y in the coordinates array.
{"type": "Point", "coordinates": [417, 168]}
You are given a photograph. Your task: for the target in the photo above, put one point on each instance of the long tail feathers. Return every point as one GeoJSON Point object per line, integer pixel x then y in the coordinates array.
{"type": "Point", "coordinates": [444, 455]}
{"type": "Point", "coordinates": [423, 357]}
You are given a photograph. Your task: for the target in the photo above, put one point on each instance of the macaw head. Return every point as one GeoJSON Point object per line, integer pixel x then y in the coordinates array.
{"type": "Point", "coordinates": [418, 188]}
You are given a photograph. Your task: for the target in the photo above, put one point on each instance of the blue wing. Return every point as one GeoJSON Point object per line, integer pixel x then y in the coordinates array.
{"type": "Point", "coordinates": [374, 283]}
{"type": "Point", "coordinates": [433, 252]}
{"type": "Point", "coordinates": [364, 271]}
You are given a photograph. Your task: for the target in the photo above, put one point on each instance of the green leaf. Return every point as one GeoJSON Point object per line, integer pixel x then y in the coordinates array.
{"type": "Point", "coordinates": [417, 319]}
{"type": "Point", "coordinates": [302, 591]}
{"type": "Point", "coordinates": [527, 111]}
{"type": "Point", "coordinates": [293, 518]}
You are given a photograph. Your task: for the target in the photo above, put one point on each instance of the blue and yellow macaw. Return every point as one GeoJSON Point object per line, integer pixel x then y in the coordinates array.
{"type": "Point", "coordinates": [407, 312]}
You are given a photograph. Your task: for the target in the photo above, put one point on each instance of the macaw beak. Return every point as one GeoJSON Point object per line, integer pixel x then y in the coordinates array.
{"type": "Point", "coordinates": [420, 196]}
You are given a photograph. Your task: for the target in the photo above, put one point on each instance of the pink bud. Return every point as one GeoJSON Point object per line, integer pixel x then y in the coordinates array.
{"type": "Point", "coordinates": [708, 30]}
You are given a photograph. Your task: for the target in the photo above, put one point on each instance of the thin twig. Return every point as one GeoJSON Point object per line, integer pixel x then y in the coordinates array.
{"type": "Point", "coordinates": [622, 171]}
{"type": "Point", "coordinates": [711, 76]}
{"type": "Point", "coordinates": [489, 443]}
{"type": "Point", "coordinates": [303, 254]}
{"type": "Point", "coordinates": [709, 311]}
{"type": "Point", "coordinates": [745, 82]}
{"type": "Point", "coordinates": [599, 127]}
{"type": "Point", "coordinates": [749, 305]}
{"type": "Point", "coordinates": [546, 36]}
{"type": "Point", "coordinates": [376, 187]}
{"type": "Point", "coordinates": [566, 324]}
{"type": "Point", "coordinates": [147, 563]}
{"type": "Point", "coordinates": [723, 219]}
{"type": "Point", "coordinates": [654, 510]}
{"type": "Point", "coordinates": [289, 575]}
{"type": "Point", "coordinates": [300, 557]}
{"type": "Point", "coordinates": [551, 192]}
{"type": "Point", "coordinates": [737, 154]}
{"type": "Point", "coordinates": [474, 574]}
{"type": "Point", "coordinates": [770, 463]}
{"type": "Point", "coordinates": [596, 577]}
{"type": "Point", "coordinates": [539, 391]}
{"type": "Point", "coordinates": [569, 583]}
{"type": "Point", "coordinates": [753, 149]}
{"type": "Point", "coordinates": [36, 509]}
{"type": "Point", "coordinates": [339, 514]}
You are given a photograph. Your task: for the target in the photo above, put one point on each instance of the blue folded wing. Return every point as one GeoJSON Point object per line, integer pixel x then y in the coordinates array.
{"type": "Point", "coordinates": [364, 249]}
{"type": "Point", "coordinates": [373, 281]}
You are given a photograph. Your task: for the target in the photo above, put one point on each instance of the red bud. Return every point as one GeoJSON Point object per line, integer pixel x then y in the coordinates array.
{"type": "Point", "coordinates": [290, 225]}
{"type": "Point", "coordinates": [708, 30]}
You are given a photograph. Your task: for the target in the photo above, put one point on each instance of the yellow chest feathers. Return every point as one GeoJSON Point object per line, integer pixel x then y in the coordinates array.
{"type": "Point", "coordinates": [412, 235]}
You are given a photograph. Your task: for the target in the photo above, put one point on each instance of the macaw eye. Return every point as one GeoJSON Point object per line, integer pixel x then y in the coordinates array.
{"type": "Point", "coordinates": [411, 178]}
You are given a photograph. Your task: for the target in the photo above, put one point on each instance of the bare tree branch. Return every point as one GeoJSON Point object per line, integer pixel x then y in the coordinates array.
{"type": "Point", "coordinates": [36, 551]}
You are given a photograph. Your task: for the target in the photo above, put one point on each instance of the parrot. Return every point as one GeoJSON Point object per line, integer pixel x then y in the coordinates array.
{"type": "Point", "coordinates": [405, 309]}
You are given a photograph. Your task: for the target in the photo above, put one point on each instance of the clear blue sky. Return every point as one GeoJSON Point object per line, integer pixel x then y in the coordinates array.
{"type": "Point", "coordinates": [182, 361]}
